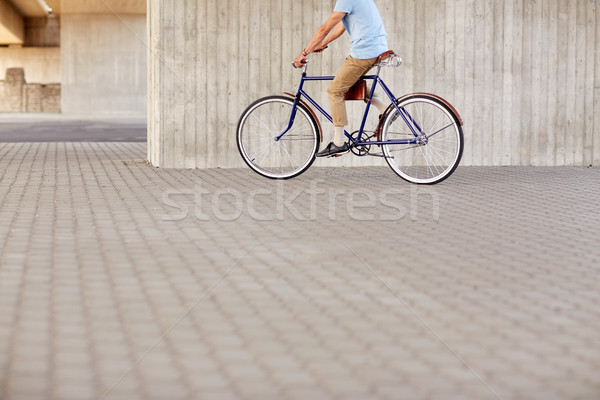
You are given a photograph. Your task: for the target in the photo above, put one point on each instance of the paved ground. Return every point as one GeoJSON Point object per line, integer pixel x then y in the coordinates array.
{"type": "Point", "coordinates": [122, 281]}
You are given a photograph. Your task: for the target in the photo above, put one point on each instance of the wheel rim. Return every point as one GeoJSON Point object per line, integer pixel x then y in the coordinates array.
{"type": "Point", "coordinates": [437, 154]}
{"type": "Point", "coordinates": [258, 130]}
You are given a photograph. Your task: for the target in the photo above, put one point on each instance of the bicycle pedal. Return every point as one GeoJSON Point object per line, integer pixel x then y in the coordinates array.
{"type": "Point", "coordinates": [337, 155]}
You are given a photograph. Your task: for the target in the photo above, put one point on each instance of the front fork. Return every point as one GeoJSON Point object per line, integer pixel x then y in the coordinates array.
{"type": "Point", "coordinates": [294, 107]}
{"type": "Point", "coordinates": [292, 118]}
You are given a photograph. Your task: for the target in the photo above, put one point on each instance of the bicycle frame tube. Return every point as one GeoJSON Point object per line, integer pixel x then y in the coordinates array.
{"type": "Point", "coordinates": [402, 112]}
{"type": "Point", "coordinates": [299, 93]}
{"type": "Point", "coordinates": [376, 80]}
{"type": "Point", "coordinates": [405, 116]}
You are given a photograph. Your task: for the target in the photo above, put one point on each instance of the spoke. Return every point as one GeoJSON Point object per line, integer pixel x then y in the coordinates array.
{"type": "Point", "coordinates": [437, 156]}
{"type": "Point", "coordinates": [419, 122]}
{"type": "Point", "coordinates": [451, 153]}
{"type": "Point", "coordinates": [451, 150]}
{"type": "Point", "coordinates": [419, 112]}
{"type": "Point", "coordinates": [273, 125]}
{"type": "Point", "coordinates": [260, 149]}
{"type": "Point", "coordinates": [428, 156]}
{"type": "Point", "coordinates": [260, 139]}
{"type": "Point", "coordinates": [425, 159]}
{"type": "Point", "coordinates": [440, 130]}
{"type": "Point", "coordinates": [262, 125]}
{"type": "Point", "coordinates": [279, 157]}
{"type": "Point", "coordinates": [442, 117]}
{"type": "Point", "coordinates": [294, 138]}
{"type": "Point", "coordinates": [425, 113]}
{"type": "Point", "coordinates": [290, 156]}
{"type": "Point", "coordinates": [265, 156]}
{"type": "Point", "coordinates": [416, 154]}
{"type": "Point", "coordinates": [400, 133]}
{"type": "Point", "coordinates": [303, 138]}
{"type": "Point", "coordinates": [439, 163]}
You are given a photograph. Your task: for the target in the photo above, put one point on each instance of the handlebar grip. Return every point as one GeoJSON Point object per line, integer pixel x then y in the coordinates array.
{"type": "Point", "coordinates": [304, 62]}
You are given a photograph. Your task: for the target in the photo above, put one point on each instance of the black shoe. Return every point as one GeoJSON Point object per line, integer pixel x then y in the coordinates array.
{"type": "Point", "coordinates": [334, 151]}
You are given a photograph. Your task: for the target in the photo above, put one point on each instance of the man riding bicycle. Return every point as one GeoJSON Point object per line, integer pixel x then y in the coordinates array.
{"type": "Point", "coordinates": [363, 22]}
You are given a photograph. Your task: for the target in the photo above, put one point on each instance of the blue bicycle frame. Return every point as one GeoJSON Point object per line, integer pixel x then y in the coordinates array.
{"type": "Point", "coordinates": [419, 135]}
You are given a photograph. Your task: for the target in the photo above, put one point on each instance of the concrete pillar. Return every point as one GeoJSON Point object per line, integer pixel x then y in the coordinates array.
{"type": "Point", "coordinates": [171, 123]}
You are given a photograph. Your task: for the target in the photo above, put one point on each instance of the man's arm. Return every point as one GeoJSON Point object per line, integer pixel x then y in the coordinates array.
{"type": "Point", "coordinates": [335, 33]}
{"type": "Point", "coordinates": [334, 21]}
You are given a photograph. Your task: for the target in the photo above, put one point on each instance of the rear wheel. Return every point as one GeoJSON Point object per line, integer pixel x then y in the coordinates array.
{"type": "Point", "coordinates": [437, 136]}
{"type": "Point", "coordinates": [257, 138]}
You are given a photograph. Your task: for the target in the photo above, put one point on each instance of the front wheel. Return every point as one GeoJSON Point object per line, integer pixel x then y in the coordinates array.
{"type": "Point", "coordinates": [263, 148]}
{"type": "Point", "coordinates": [434, 139]}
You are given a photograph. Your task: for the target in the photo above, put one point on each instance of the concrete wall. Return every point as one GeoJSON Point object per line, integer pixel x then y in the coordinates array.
{"type": "Point", "coordinates": [103, 63]}
{"type": "Point", "coordinates": [41, 65]}
{"type": "Point", "coordinates": [42, 32]}
{"type": "Point", "coordinates": [525, 75]}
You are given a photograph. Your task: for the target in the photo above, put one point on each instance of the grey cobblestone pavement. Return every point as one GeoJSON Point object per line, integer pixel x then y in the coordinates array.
{"type": "Point", "coordinates": [123, 281]}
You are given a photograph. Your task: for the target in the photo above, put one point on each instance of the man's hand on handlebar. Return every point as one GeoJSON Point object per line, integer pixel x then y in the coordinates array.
{"type": "Point", "coordinates": [301, 60]}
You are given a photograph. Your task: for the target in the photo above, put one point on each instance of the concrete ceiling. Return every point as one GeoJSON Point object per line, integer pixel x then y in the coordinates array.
{"type": "Point", "coordinates": [12, 27]}
{"type": "Point", "coordinates": [35, 8]}
{"type": "Point", "coordinates": [13, 12]}
{"type": "Point", "coordinates": [103, 6]}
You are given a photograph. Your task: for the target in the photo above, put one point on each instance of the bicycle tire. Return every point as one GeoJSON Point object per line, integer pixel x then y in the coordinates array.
{"type": "Point", "coordinates": [437, 156]}
{"type": "Point", "coordinates": [266, 119]}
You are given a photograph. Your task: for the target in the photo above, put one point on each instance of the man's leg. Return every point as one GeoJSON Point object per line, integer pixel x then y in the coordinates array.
{"type": "Point", "coordinates": [348, 74]}
{"type": "Point", "coordinates": [379, 104]}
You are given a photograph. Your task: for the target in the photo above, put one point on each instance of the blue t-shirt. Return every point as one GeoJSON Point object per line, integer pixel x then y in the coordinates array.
{"type": "Point", "coordinates": [363, 23]}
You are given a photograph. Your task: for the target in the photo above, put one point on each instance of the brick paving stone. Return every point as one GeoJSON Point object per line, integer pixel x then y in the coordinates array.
{"type": "Point", "coordinates": [120, 280]}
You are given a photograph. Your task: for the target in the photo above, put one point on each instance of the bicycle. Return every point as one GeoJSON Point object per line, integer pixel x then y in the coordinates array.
{"type": "Point", "coordinates": [420, 134]}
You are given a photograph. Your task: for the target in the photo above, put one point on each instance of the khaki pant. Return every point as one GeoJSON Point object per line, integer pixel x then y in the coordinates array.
{"type": "Point", "coordinates": [349, 72]}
